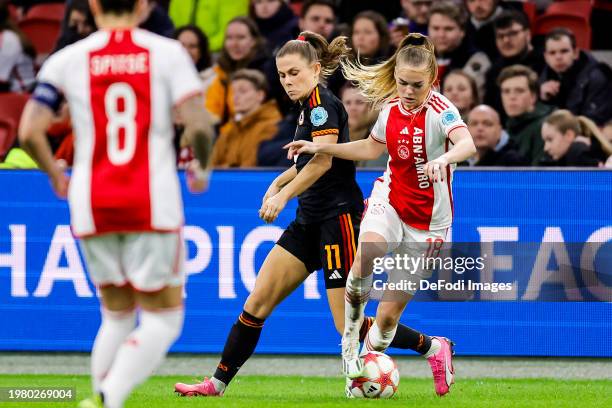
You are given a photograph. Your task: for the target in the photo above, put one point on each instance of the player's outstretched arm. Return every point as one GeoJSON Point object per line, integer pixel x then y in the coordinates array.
{"type": "Point", "coordinates": [33, 126]}
{"type": "Point", "coordinates": [463, 148]}
{"type": "Point", "coordinates": [366, 149]}
{"type": "Point", "coordinates": [279, 182]}
{"type": "Point", "coordinates": [316, 167]}
{"type": "Point", "coordinates": [198, 134]}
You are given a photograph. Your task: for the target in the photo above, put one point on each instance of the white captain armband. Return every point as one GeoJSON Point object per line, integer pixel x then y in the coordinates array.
{"type": "Point", "coordinates": [48, 95]}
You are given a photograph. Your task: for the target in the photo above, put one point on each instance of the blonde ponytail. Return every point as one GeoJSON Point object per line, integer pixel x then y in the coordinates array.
{"type": "Point", "coordinates": [590, 129]}
{"type": "Point", "coordinates": [377, 82]}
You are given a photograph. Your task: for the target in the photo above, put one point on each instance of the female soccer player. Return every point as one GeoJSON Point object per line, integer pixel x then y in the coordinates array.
{"type": "Point", "coordinates": [324, 232]}
{"type": "Point", "coordinates": [411, 204]}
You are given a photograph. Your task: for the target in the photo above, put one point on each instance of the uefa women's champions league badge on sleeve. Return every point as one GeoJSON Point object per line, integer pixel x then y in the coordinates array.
{"type": "Point", "coordinates": [318, 116]}
{"type": "Point", "coordinates": [301, 118]}
{"type": "Point", "coordinates": [449, 117]}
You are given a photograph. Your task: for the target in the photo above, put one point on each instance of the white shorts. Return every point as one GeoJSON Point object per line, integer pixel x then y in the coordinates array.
{"type": "Point", "coordinates": [148, 261]}
{"type": "Point", "coordinates": [402, 239]}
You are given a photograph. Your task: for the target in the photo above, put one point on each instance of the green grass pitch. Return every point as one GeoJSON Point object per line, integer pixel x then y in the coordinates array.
{"type": "Point", "coordinates": [276, 391]}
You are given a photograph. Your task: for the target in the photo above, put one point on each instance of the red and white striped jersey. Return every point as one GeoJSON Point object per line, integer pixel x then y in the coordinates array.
{"type": "Point", "coordinates": [413, 138]}
{"type": "Point", "coordinates": [121, 87]}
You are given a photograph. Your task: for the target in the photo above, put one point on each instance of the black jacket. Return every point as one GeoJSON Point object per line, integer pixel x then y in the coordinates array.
{"type": "Point", "coordinates": [586, 88]}
{"type": "Point", "coordinates": [506, 155]}
{"type": "Point", "coordinates": [279, 28]}
{"type": "Point", "coordinates": [271, 152]}
{"type": "Point", "coordinates": [484, 36]}
{"type": "Point", "coordinates": [159, 22]}
{"type": "Point", "coordinates": [578, 155]}
{"type": "Point", "coordinates": [532, 59]}
{"type": "Point", "coordinates": [526, 131]}
{"type": "Point", "coordinates": [459, 57]}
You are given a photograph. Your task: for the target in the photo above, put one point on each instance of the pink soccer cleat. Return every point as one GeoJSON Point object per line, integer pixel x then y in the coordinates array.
{"type": "Point", "coordinates": [203, 389]}
{"type": "Point", "coordinates": [442, 368]}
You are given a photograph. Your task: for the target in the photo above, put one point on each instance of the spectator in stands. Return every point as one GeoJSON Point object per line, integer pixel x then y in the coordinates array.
{"type": "Point", "coordinates": [196, 44]}
{"type": "Point", "coordinates": [276, 22]}
{"type": "Point", "coordinates": [243, 48]}
{"type": "Point", "coordinates": [461, 89]}
{"type": "Point", "coordinates": [480, 24]}
{"type": "Point", "coordinates": [494, 147]}
{"type": "Point", "coordinates": [572, 140]}
{"type": "Point", "coordinates": [370, 38]}
{"type": "Point", "coordinates": [16, 56]}
{"type": "Point", "coordinates": [572, 79]}
{"type": "Point", "coordinates": [513, 40]}
{"type": "Point", "coordinates": [361, 119]}
{"type": "Point", "coordinates": [212, 16]}
{"type": "Point", "coordinates": [347, 10]}
{"type": "Point", "coordinates": [78, 23]}
{"type": "Point", "coordinates": [453, 49]}
{"type": "Point", "coordinates": [254, 121]}
{"type": "Point", "coordinates": [318, 16]}
{"type": "Point", "coordinates": [519, 93]}
{"type": "Point", "coordinates": [413, 19]}
{"type": "Point", "coordinates": [155, 18]}
{"type": "Point", "coordinates": [271, 152]}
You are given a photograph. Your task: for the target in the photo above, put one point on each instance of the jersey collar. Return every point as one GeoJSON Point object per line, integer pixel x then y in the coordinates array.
{"type": "Point", "coordinates": [413, 111]}
{"type": "Point", "coordinates": [314, 99]}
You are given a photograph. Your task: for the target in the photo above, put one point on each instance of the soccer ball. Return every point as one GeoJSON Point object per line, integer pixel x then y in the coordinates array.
{"type": "Point", "coordinates": [380, 378]}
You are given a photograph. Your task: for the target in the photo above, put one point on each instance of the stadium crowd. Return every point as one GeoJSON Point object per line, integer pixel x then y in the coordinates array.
{"type": "Point", "coordinates": [528, 100]}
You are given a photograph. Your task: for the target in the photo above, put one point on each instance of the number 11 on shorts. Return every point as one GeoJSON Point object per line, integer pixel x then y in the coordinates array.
{"type": "Point", "coordinates": [336, 249]}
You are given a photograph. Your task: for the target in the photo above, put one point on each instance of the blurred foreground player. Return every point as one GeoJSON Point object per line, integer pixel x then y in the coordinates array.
{"type": "Point", "coordinates": [324, 232]}
{"type": "Point", "coordinates": [121, 84]}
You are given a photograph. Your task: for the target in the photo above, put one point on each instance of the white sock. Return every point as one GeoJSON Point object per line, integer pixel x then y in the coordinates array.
{"type": "Point", "coordinates": [355, 300]}
{"type": "Point", "coordinates": [378, 340]}
{"type": "Point", "coordinates": [115, 327]}
{"type": "Point", "coordinates": [141, 353]}
{"type": "Point", "coordinates": [435, 347]}
{"type": "Point", "coordinates": [219, 385]}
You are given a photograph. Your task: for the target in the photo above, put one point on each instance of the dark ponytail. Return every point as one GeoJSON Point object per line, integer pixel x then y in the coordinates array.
{"type": "Point", "coordinates": [314, 48]}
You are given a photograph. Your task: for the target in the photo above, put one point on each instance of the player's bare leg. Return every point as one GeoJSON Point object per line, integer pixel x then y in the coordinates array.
{"type": "Point", "coordinates": [280, 274]}
{"type": "Point", "coordinates": [161, 321]}
{"type": "Point", "coordinates": [358, 286]}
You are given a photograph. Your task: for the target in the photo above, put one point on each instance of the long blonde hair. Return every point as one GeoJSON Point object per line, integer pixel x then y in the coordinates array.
{"type": "Point", "coordinates": [377, 82]}
{"type": "Point", "coordinates": [564, 120]}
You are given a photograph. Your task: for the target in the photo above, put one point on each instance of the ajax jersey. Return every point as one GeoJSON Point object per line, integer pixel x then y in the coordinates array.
{"type": "Point", "coordinates": [121, 87]}
{"type": "Point", "coordinates": [414, 137]}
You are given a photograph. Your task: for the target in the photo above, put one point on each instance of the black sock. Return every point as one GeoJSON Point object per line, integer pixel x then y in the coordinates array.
{"type": "Point", "coordinates": [407, 338]}
{"type": "Point", "coordinates": [239, 346]}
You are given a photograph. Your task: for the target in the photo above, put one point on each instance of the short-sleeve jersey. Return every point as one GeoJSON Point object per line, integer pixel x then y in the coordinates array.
{"type": "Point", "coordinates": [414, 137]}
{"type": "Point", "coordinates": [336, 191]}
{"type": "Point", "coordinates": [121, 87]}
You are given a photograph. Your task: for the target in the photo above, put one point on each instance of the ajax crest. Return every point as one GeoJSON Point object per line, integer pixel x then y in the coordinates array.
{"type": "Point", "coordinates": [403, 152]}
